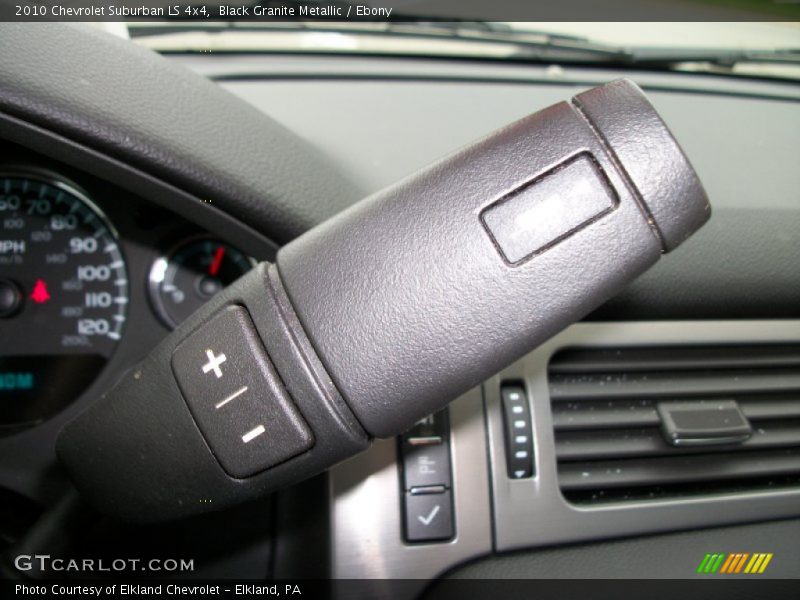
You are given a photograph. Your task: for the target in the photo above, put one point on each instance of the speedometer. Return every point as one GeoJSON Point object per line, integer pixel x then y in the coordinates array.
{"type": "Point", "coordinates": [63, 295]}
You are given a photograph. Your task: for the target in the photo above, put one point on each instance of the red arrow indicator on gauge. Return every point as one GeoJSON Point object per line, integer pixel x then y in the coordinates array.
{"type": "Point", "coordinates": [216, 262]}
{"type": "Point", "coordinates": [40, 295]}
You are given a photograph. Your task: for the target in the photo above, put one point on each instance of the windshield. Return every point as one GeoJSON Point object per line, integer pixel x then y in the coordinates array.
{"type": "Point", "coordinates": [745, 48]}
{"type": "Point", "coordinates": [732, 36]}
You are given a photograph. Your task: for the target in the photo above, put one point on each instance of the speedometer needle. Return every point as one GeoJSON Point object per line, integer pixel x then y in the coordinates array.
{"type": "Point", "coordinates": [216, 262]}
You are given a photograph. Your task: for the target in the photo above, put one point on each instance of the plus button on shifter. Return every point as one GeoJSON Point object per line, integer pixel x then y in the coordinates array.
{"type": "Point", "coordinates": [214, 363]}
{"type": "Point", "coordinates": [245, 414]}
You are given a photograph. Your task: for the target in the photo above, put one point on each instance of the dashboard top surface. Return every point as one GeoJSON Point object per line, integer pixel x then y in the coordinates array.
{"type": "Point", "coordinates": [379, 120]}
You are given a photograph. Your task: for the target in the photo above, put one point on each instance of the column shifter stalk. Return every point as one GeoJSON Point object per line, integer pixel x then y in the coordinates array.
{"type": "Point", "coordinates": [390, 310]}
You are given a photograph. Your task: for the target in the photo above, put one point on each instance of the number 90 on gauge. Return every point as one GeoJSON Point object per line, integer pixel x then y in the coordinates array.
{"type": "Point", "coordinates": [63, 294]}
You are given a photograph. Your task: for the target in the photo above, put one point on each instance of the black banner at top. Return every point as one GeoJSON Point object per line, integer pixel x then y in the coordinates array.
{"type": "Point", "coordinates": [399, 10]}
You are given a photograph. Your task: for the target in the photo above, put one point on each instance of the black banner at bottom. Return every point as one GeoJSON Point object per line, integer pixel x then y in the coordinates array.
{"type": "Point", "coordinates": [734, 588]}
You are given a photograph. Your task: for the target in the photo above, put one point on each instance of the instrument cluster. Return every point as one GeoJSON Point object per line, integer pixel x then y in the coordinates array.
{"type": "Point", "coordinates": [75, 254]}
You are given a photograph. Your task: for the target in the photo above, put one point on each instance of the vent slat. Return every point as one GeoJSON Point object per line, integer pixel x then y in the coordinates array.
{"type": "Point", "coordinates": [627, 443]}
{"type": "Point", "coordinates": [625, 414]}
{"type": "Point", "coordinates": [678, 469]}
{"type": "Point", "coordinates": [596, 387]}
{"type": "Point", "coordinates": [582, 418]}
{"type": "Point", "coordinates": [763, 409]}
{"type": "Point", "coordinates": [608, 439]}
{"type": "Point", "coordinates": [675, 359]}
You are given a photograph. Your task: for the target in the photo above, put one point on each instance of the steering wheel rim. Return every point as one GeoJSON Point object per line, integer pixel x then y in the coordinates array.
{"type": "Point", "coordinates": [107, 94]}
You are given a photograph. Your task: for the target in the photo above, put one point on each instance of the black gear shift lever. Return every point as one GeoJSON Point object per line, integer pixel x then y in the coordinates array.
{"type": "Point", "coordinates": [390, 310]}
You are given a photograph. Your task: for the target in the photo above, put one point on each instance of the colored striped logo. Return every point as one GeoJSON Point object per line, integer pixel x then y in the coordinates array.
{"type": "Point", "coordinates": [734, 563]}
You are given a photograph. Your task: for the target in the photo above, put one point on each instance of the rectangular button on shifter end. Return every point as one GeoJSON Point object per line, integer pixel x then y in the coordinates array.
{"type": "Point", "coordinates": [553, 206]}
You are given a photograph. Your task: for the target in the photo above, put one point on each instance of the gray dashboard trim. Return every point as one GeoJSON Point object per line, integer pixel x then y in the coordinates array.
{"type": "Point", "coordinates": [534, 513]}
{"type": "Point", "coordinates": [243, 67]}
{"type": "Point", "coordinates": [365, 501]}
{"type": "Point", "coordinates": [366, 524]}
{"type": "Point", "coordinates": [657, 557]}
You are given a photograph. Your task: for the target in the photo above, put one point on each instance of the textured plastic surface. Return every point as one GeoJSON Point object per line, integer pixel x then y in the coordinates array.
{"type": "Point", "coordinates": [396, 306]}
{"type": "Point", "coordinates": [138, 453]}
{"type": "Point", "coordinates": [409, 302]}
{"type": "Point", "coordinates": [643, 148]}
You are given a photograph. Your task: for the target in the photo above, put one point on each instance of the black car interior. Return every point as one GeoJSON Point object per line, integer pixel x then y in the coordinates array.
{"type": "Point", "coordinates": [394, 318]}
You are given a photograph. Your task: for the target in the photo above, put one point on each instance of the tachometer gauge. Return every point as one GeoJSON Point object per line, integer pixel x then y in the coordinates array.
{"type": "Point", "coordinates": [63, 295]}
{"type": "Point", "coordinates": [186, 278]}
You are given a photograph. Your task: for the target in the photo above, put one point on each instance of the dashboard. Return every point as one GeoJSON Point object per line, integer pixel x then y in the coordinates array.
{"type": "Point", "coordinates": [95, 271]}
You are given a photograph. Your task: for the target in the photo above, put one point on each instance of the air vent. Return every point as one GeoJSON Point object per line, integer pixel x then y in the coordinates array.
{"type": "Point", "coordinates": [610, 439]}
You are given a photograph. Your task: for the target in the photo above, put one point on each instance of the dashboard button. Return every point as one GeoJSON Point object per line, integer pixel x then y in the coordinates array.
{"type": "Point", "coordinates": [10, 298]}
{"type": "Point", "coordinates": [426, 465]}
{"type": "Point", "coordinates": [236, 397]}
{"type": "Point", "coordinates": [431, 429]}
{"type": "Point", "coordinates": [428, 517]}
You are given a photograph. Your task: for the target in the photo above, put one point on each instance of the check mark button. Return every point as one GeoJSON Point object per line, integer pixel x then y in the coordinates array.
{"type": "Point", "coordinates": [428, 517]}
{"type": "Point", "coordinates": [427, 520]}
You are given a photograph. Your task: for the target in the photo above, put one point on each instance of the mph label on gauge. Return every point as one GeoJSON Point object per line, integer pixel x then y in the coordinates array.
{"type": "Point", "coordinates": [63, 290]}
{"type": "Point", "coordinates": [63, 280]}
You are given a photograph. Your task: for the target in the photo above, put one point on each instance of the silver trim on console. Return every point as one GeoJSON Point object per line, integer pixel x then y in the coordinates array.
{"type": "Point", "coordinates": [533, 512]}
{"type": "Point", "coordinates": [365, 491]}
{"type": "Point", "coordinates": [367, 534]}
